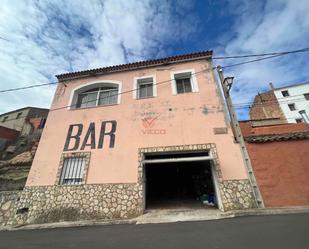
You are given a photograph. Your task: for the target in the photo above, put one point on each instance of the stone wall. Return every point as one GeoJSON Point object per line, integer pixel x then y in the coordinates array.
{"type": "Point", "coordinates": [46, 204]}
{"type": "Point", "coordinates": [80, 202]}
{"type": "Point", "coordinates": [8, 201]}
{"type": "Point", "coordinates": [236, 194]}
{"type": "Point", "coordinates": [43, 204]}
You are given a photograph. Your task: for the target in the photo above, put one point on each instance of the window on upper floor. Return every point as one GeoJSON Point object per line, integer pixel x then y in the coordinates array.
{"type": "Point", "coordinates": [292, 107]}
{"type": "Point", "coordinates": [97, 97]}
{"type": "Point", "coordinates": [5, 118]}
{"type": "Point", "coordinates": [285, 93]}
{"type": "Point", "coordinates": [95, 94]}
{"type": "Point", "coordinates": [306, 95]}
{"type": "Point", "coordinates": [184, 82]}
{"type": "Point", "coordinates": [145, 88]}
{"type": "Point", "coordinates": [19, 115]}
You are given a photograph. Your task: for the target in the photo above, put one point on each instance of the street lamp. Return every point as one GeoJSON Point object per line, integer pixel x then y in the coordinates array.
{"type": "Point", "coordinates": [228, 81]}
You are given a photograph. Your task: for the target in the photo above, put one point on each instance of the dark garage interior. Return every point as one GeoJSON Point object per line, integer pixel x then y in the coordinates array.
{"type": "Point", "coordinates": [179, 185]}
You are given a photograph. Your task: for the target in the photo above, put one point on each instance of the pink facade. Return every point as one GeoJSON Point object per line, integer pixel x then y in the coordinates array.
{"type": "Point", "coordinates": [164, 120]}
{"type": "Point", "coordinates": [157, 134]}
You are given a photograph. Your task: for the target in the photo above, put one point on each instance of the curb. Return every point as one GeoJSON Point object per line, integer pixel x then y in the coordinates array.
{"type": "Point", "coordinates": [66, 224]}
{"type": "Point", "coordinates": [265, 211]}
{"type": "Point", "coordinates": [225, 215]}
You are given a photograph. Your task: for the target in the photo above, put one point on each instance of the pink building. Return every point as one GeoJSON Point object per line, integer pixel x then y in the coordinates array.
{"type": "Point", "coordinates": [123, 139]}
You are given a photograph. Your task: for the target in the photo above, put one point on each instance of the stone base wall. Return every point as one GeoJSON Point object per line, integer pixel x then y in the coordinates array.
{"type": "Point", "coordinates": [8, 200]}
{"type": "Point", "coordinates": [68, 203]}
{"type": "Point", "coordinates": [236, 194]}
{"type": "Point", "coordinates": [45, 204]}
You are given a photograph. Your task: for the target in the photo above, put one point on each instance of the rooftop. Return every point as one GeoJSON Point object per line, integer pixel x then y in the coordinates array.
{"type": "Point", "coordinates": [136, 65]}
{"type": "Point", "coordinates": [292, 85]}
{"type": "Point", "coordinates": [24, 108]}
{"type": "Point", "coordinates": [270, 133]}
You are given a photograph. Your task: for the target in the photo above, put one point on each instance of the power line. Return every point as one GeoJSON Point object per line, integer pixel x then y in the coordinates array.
{"type": "Point", "coordinates": [259, 55]}
{"type": "Point", "coordinates": [158, 83]}
{"type": "Point", "coordinates": [128, 91]}
{"type": "Point", "coordinates": [277, 100]}
{"type": "Point", "coordinates": [28, 87]}
{"type": "Point", "coordinates": [248, 105]}
{"type": "Point", "coordinates": [4, 39]}
{"type": "Point", "coordinates": [272, 55]}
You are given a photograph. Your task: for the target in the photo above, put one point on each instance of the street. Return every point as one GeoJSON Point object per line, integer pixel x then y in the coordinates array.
{"type": "Point", "coordinates": [260, 232]}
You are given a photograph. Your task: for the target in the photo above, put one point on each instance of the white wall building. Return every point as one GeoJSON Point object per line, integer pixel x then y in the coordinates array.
{"type": "Point", "coordinates": [293, 99]}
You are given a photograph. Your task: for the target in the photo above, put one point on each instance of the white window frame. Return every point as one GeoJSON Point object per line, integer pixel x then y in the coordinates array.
{"type": "Point", "coordinates": [193, 80]}
{"type": "Point", "coordinates": [135, 86]}
{"type": "Point", "coordinates": [90, 85]}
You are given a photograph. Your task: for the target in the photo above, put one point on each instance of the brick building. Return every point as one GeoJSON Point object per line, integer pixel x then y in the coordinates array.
{"type": "Point", "coordinates": [266, 110]}
{"type": "Point", "coordinates": [281, 105]}
{"type": "Point", "coordinates": [128, 138]}
{"type": "Point", "coordinates": [280, 159]}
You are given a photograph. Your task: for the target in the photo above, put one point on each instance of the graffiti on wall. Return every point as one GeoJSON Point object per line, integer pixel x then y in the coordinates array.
{"type": "Point", "coordinates": [75, 132]}
{"type": "Point", "coordinates": [149, 126]}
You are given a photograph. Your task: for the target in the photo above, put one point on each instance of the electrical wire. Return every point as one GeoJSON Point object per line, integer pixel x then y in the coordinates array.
{"type": "Point", "coordinates": [259, 55]}
{"type": "Point", "coordinates": [272, 55]}
{"type": "Point", "coordinates": [158, 83]}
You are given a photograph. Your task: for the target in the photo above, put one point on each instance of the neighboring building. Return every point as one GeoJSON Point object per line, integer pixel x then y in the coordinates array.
{"type": "Point", "coordinates": [280, 159]}
{"type": "Point", "coordinates": [6, 135]}
{"type": "Point", "coordinates": [266, 110]}
{"type": "Point", "coordinates": [281, 105]}
{"type": "Point", "coordinates": [18, 145]}
{"type": "Point", "coordinates": [18, 119]}
{"type": "Point", "coordinates": [293, 99]}
{"type": "Point", "coordinates": [127, 138]}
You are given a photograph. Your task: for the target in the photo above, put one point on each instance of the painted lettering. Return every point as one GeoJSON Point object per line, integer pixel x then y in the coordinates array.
{"type": "Point", "coordinates": [90, 133]}
{"type": "Point", "coordinates": [90, 136]}
{"type": "Point", "coordinates": [76, 137]}
{"type": "Point", "coordinates": [111, 133]}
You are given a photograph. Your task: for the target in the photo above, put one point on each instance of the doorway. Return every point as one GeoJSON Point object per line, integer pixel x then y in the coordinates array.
{"type": "Point", "coordinates": [183, 180]}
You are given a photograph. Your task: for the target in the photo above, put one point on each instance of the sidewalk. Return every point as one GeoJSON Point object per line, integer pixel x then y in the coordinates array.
{"type": "Point", "coordinates": [166, 216]}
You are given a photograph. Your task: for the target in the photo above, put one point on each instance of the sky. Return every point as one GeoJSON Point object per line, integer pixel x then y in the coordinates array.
{"type": "Point", "coordinates": [39, 39]}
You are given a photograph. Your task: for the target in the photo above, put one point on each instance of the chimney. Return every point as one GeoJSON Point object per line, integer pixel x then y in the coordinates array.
{"type": "Point", "coordinates": [271, 86]}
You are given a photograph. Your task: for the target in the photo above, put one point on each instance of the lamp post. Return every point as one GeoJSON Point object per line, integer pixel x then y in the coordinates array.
{"type": "Point", "coordinates": [226, 83]}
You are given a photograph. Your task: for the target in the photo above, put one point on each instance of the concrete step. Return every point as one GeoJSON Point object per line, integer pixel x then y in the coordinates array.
{"type": "Point", "coordinates": [175, 215]}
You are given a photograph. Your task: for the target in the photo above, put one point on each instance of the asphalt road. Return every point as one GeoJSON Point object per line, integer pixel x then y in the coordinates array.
{"type": "Point", "coordinates": [281, 231]}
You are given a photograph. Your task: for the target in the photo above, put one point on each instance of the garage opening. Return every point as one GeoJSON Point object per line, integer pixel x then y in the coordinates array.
{"type": "Point", "coordinates": [182, 180]}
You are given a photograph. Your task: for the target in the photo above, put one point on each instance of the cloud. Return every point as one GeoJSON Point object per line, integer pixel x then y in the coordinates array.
{"type": "Point", "coordinates": [267, 26]}
{"type": "Point", "coordinates": [44, 38]}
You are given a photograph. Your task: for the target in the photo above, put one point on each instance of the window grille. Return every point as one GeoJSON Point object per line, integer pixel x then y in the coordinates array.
{"type": "Point", "coordinates": [72, 171]}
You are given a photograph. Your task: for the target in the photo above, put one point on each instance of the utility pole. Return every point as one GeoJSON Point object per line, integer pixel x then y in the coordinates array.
{"type": "Point", "coordinates": [226, 84]}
